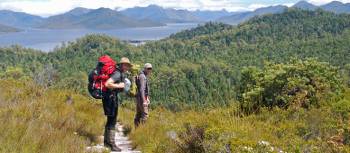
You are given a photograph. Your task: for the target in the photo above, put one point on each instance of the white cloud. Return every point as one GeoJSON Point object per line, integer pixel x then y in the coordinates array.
{"type": "Point", "coordinates": [321, 2]}
{"type": "Point", "coordinates": [51, 7]}
{"type": "Point", "coordinates": [289, 4]}
{"type": "Point", "coordinates": [256, 6]}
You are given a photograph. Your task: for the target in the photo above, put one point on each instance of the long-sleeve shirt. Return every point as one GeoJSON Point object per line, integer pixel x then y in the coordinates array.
{"type": "Point", "coordinates": [144, 87]}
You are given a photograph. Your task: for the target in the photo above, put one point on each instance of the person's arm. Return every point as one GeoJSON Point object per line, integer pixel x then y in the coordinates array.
{"type": "Point", "coordinates": [142, 88]}
{"type": "Point", "coordinates": [111, 85]}
{"type": "Point", "coordinates": [111, 82]}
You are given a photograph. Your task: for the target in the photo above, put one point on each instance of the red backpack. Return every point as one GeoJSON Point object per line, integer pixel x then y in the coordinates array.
{"type": "Point", "coordinates": [106, 66]}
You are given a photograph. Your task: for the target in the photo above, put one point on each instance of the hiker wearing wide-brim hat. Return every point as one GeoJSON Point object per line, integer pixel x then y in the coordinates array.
{"type": "Point", "coordinates": [124, 64]}
{"type": "Point", "coordinates": [126, 61]}
{"type": "Point", "coordinates": [142, 96]}
{"type": "Point", "coordinates": [115, 85]}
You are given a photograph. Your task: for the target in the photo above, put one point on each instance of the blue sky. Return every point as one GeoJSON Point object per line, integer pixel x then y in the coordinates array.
{"type": "Point", "coordinates": [52, 7]}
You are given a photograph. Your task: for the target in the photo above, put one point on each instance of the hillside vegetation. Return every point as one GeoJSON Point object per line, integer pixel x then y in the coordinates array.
{"type": "Point", "coordinates": [276, 82]}
{"type": "Point", "coordinates": [226, 130]}
{"type": "Point", "coordinates": [208, 66]}
{"type": "Point", "coordinates": [36, 119]}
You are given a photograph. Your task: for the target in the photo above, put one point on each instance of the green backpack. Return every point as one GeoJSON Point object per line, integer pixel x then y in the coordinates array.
{"type": "Point", "coordinates": [134, 73]}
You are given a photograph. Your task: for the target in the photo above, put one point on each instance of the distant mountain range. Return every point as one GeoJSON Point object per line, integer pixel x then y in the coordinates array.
{"type": "Point", "coordinates": [102, 18]}
{"type": "Point", "coordinates": [169, 15]}
{"type": "Point", "coordinates": [19, 19]}
{"type": "Point", "coordinates": [150, 16]}
{"type": "Point", "coordinates": [7, 29]}
{"type": "Point", "coordinates": [212, 15]}
{"type": "Point", "coordinates": [241, 17]}
{"type": "Point", "coordinates": [335, 6]}
{"type": "Point", "coordinates": [305, 5]}
{"type": "Point", "coordinates": [159, 14]}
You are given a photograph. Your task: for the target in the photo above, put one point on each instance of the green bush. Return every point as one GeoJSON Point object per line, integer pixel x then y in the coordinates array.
{"type": "Point", "coordinates": [299, 83]}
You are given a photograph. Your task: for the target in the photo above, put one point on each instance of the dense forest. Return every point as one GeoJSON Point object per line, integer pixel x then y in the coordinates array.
{"type": "Point", "coordinates": [204, 62]}
{"type": "Point", "coordinates": [268, 65]}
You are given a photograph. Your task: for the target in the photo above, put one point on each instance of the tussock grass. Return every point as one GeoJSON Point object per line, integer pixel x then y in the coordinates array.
{"type": "Point", "coordinates": [227, 130]}
{"type": "Point", "coordinates": [35, 119]}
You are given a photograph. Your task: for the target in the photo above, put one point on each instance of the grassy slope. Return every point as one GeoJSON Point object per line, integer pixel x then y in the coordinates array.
{"type": "Point", "coordinates": [315, 130]}
{"type": "Point", "coordinates": [51, 120]}
{"type": "Point", "coordinates": [39, 120]}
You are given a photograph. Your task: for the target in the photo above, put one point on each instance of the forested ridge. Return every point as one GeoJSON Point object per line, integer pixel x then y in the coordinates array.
{"type": "Point", "coordinates": [201, 61]}
{"type": "Point", "coordinates": [276, 65]}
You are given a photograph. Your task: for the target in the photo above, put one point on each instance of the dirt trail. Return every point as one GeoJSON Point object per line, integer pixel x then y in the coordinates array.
{"type": "Point", "coordinates": [122, 142]}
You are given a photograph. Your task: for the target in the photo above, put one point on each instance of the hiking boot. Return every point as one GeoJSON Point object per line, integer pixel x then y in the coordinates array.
{"type": "Point", "coordinates": [109, 140]}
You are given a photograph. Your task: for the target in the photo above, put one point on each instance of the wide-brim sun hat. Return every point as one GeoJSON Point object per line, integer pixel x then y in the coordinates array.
{"type": "Point", "coordinates": [125, 60]}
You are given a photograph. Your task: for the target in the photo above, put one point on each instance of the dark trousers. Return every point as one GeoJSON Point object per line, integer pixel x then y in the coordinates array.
{"type": "Point", "coordinates": [110, 107]}
{"type": "Point", "coordinates": [112, 120]}
{"type": "Point", "coordinates": [141, 115]}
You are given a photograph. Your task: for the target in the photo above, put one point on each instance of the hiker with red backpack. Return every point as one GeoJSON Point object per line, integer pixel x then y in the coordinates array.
{"type": "Point", "coordinates": [105, 82]}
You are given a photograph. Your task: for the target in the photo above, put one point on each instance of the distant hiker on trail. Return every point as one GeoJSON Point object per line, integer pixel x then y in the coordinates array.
{"type": "Point", "coordinates": [115, 84]}
{"type": "Point", "coordinates": [105, 82]}
{"type": "Point", "coordinates": [142, 96]}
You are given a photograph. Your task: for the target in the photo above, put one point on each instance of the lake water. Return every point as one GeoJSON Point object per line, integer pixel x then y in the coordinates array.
{"type": "Point", "coordinates": [46, 40]}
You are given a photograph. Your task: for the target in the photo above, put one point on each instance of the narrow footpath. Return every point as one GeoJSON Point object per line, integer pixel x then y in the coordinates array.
{"type": "Point", "coordinates": [122, 142]}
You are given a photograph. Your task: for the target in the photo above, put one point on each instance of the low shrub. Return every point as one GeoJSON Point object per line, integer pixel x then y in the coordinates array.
{"type": "Point", "coordinates": [299, 84]}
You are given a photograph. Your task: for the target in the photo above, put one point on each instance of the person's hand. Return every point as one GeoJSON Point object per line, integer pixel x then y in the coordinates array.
{"type": "Point", "coordinates": [146, 103]}
{"type": "Point", "coordinates": [121, 85]}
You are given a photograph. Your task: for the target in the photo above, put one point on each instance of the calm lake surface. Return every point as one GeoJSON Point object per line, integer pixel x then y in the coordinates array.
{"type": "Point", "coordinates": [47, 40]}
